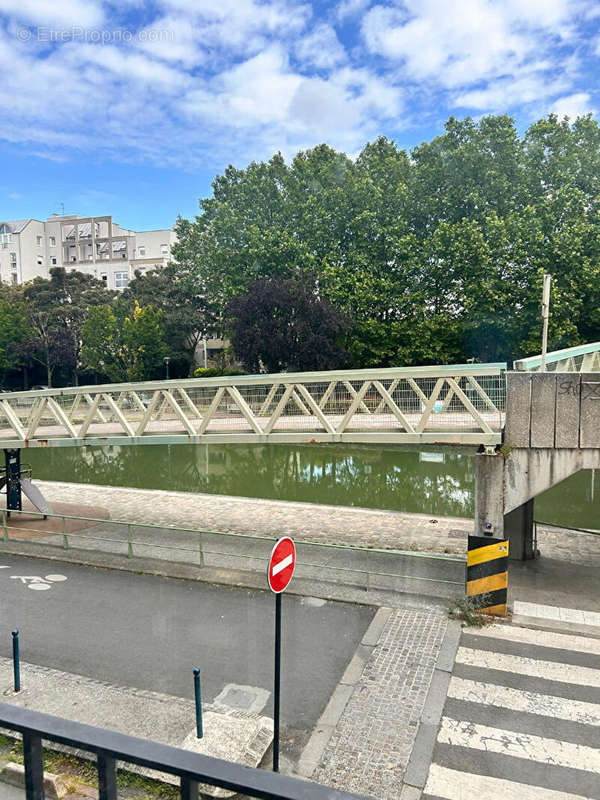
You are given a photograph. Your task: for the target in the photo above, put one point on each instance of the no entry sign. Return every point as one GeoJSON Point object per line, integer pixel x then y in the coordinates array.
{"type": "Point", "coordinates": [281, 565]}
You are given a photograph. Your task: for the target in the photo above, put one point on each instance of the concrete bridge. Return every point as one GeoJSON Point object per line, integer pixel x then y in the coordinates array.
{"type": "Point", "coordinates": [532, 429]}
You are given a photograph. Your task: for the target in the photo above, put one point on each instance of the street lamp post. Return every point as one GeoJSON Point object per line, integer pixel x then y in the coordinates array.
{"type": "Point", "coordinates": [166, 360]}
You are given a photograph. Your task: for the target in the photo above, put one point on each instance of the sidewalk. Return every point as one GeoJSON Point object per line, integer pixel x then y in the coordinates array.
{"type": "Point", "coordinates": [229, 733]}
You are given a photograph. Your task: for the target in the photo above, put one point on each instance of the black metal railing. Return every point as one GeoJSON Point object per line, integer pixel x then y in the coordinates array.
{"type": "Point", "coordinates": [110, 747]}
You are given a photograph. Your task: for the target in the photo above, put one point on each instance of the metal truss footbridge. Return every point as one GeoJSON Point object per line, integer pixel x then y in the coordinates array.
{"type": "Point", "coordinates": [460, 404]}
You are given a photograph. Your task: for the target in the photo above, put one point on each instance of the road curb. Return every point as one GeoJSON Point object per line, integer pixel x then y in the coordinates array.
{"type": "Point", "coordinates": [240, 579]}
{"type": "Point", "coordinates": [54, 786]}
{"type": "Point", "coordinates": [314, 749]}
{"type": "Point", "coordinates": [417, 770]}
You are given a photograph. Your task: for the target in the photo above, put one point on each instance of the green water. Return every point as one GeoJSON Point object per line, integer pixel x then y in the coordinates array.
{"type": "Point", "coordinates": [436, 481]}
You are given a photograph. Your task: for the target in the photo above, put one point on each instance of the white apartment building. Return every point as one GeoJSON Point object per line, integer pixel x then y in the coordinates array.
{"type": "Point", "coordinates": [95, 245]}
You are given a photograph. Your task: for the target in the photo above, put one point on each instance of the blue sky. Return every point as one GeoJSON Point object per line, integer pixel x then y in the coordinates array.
{"type": "Point", "coordinates": [131, 108]}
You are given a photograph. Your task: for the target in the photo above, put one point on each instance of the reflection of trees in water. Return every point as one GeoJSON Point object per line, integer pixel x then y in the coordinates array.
{"type": "Point", "coordinates": [362, 476]}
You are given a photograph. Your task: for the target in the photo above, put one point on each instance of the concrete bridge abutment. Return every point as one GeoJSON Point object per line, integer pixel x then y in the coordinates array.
{"type": "Point", "coordinates": [552, 430]}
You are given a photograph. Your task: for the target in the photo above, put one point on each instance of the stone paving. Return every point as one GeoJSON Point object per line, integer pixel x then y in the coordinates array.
{"type": "Point", "coordinates": [304, 521]}
{"type": "Point", "coordinates": [371, 745]}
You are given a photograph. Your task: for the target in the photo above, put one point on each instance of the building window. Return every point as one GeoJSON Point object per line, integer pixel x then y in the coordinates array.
{"type": "Point", "coordinates": [14, 277]}
{"type": "Point", "coordinates": [13, 258]}
{"type": "Point", "coordinates": [142, 251]}
{"type": "Point", "coordinates": [73, 258]}
{"type": "Point", "coordinates": [39, 262]}
{"type": "Point", "coordinates": [53, 241]}
{"type": "Point", "coordinates": [164, 249]}
{"type": "Point", "coordinates": [104, 277]}
{"type": "Point", "coordinates": [53, 260]}
{"type": "Point", "coordinates": [39, 241]}
{"type": "Point", "coordinates": [121, 280]}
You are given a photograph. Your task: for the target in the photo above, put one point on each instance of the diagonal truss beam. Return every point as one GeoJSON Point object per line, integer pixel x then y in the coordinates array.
{"type": "Point", "coordinates": [389, 400]}
{"type": "Point", "coordinates": [179, 412]}
{"type": "Point", "coordinates": [353, 407]}
{"type": "Point", "coordinates": [312, 404]}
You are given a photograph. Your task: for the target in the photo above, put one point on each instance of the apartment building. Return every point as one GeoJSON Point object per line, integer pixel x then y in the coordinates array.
{"type": "Point", "coordinates": [94, 245]}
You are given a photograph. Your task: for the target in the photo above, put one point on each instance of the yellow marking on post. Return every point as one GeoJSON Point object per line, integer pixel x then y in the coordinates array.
{"type": "Point", "coordinates": [487, 553]}
{"type": "Point", "coordinates": [489, 584]}
{"type": "Point", "coordinates": [494, 611]}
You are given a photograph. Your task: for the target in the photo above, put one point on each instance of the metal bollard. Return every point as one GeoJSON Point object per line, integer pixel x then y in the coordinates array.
{"type": "Point", "coordinates": [16, 661]}
{"type": "Point", "coordinates": [198, 694]}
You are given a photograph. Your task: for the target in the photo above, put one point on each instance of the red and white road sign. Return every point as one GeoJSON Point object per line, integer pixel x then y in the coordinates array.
{"type": "Point", "coordinates": [281, 565]}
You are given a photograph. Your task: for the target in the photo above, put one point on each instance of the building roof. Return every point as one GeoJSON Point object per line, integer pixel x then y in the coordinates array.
{"type": "Point", "coordinates": [17, 225]}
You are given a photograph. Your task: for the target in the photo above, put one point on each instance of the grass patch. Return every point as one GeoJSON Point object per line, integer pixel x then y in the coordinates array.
{"type": "Point", "coordinates": [467, 610]}
{"type": "Point", "coordinates": [79, 771]}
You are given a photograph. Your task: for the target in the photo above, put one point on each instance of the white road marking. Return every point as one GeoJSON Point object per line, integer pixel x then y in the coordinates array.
{"type": "Point", "coordinates": [4, 567]}
{"type": "Point", "coordinates": [37, 583]}
{"type": "Point", "coordinates": [529, 702]}
{"type": "Point", "coordinates": [575, 615]}
{"type": "Point", "coordinates": [561, 641]}
{"type": "Point", "coordinates": [463, 733]}
{"type": "Point", "coordinates": [282, 565]}
{"type": "Point", "coordinates": [549, 670]}
{"type": "Point", "coordinates": [454, 785]}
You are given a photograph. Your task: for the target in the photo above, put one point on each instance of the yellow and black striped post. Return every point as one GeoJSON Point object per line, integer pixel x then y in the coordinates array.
{"type": "Point", "coordinates": [487, 574]}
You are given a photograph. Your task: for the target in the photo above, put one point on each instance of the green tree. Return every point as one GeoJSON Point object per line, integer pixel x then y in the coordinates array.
{"type": "Point", "coordinates": [283, 324]}
{"type": "Point", "coordinates": [436, 255]}
{"type": "Point", "coordinates": [57, 308]}
{"type": "Point", "coordinates": [187, 317]}
{"type": "Point", "coordinates": [14, 332]}
{"type": "Point", "coordinates": [124, 343]}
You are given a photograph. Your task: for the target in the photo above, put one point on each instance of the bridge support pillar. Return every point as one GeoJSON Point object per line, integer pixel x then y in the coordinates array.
{"type": "Point", "coordinates": [491, 518]}
{"type": "Point", "coordinates": [518, 529]}
{"type": "Point", "coordinates": [12, 460]}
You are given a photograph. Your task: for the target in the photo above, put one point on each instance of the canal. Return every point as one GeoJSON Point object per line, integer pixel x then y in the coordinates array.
{"type": "Point", "coordinates": [436, 481]}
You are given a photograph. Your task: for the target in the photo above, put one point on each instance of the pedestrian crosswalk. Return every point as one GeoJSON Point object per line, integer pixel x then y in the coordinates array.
{"type": "Point", "coordinates": [521, 719]}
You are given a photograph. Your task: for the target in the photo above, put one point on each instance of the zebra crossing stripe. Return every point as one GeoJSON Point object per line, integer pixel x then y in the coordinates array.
{"type": "Point", "coordinates": [463, 733]}
{"type": "Point", "coordinates": [561, 641]}
{"type": "Point", "coordinates": [528, 702]}
{"type": "Point", "coordinates": [534, 668]}
{"type": "Point", "coordinates": [451, 785]}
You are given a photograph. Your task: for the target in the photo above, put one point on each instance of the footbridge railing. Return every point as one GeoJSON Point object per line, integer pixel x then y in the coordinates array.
{"type": "Point", "coordinates": [458, 404]}
{"type": "Point", "coordinates": [582, 358]}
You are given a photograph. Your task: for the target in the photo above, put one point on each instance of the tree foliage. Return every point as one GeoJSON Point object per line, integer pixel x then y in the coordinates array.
{"type": "Point", "coordinates": [436, 255]}
{"type": "Point", "coordinates": [56, 311]}
{"type": "Point", "coordinates": [186, 315]}
{"type": "Point", "coordinates": [124, 343]}
{"type": "Point", "coordinates": [282, 324]}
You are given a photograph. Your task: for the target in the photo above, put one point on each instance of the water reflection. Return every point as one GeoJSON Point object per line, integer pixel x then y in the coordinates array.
{"type": "Point", "coordinates": [436, 481]}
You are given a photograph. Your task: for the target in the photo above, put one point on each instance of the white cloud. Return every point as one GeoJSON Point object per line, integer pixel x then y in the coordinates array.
{"type": "Point", "coordinates": [350, 8]}
{"type": "Point", "coordinates": [320, 48]}
{"type": "Point", "coordinates": [239, 79]}
{"type": "Point", "coordinates": [489, 55]}
{"type": "Point", "coordinates": [58, 14]}
{"type": "Point", "coordinates": [573, 105]}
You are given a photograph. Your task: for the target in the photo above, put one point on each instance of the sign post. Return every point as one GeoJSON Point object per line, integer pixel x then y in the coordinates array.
{"type": "Point", "coordinates": [281, 568]}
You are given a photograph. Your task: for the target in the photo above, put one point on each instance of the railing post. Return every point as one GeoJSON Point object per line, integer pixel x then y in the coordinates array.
{"type": "Point", "coordinates": [198, 697]}
{"type": "Point", "coordinates": [189, 789]}
{"type": "Point", "coordinates": [200, 551]}
{"type": "Point", "coordinates": [64, 534]}
{"type": "Point", "coordinates": [368, 574]}
{"type": "Point", "coordinates": [16, 661]}
{"type": "Point", "coordinates": [34, 767]}
{"type": "Point", "coordinates": [129, 543]}
{"type": "Point", "coordinates": [107, 777]}
{"type": "Point", "coordinates": [5, 526]}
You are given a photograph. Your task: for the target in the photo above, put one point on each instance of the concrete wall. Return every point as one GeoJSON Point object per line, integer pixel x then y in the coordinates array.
{"type": "Point", "coordinates": [552, 430]}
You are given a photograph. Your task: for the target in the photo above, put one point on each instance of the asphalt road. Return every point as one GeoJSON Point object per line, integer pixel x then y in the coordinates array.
{"type": "Point", "coordinates": [150, 632]}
